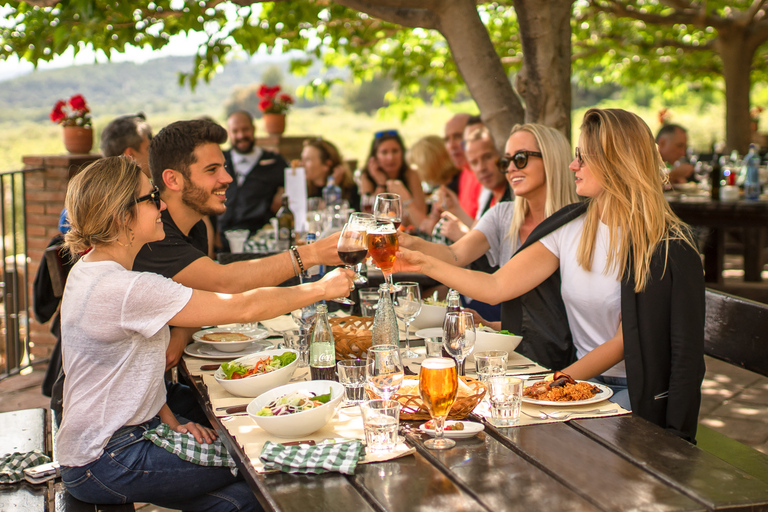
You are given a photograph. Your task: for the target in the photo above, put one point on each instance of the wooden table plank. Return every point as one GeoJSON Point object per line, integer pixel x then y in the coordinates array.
{"type": "Point", "coordinates": [23, 431]}
{"type": "Point", "coordinates": [692, 470]}
{"type": "Point", "coordinates": [310, 493]}
{"type": "Point", "coordinates": [594, 471]}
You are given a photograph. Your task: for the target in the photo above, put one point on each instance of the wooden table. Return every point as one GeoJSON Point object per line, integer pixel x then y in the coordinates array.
{"type": "Point", "coordinates": [751, 217]}
{"type": "Point", "coordinates": [611, 464]}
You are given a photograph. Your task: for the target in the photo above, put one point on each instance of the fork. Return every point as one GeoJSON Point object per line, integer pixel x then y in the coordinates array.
{"type": "Point", "coordinates": [565, 415]}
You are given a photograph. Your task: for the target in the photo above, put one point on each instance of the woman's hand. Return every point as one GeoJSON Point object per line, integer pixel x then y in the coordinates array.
{"type": "Point", "coordinates": [202, 434]}
{"type": "Point", "coordinates": [398, 187]}
{"type": "Point", "coordinates": [405, 240]}
{"type": "Point", "coordinates": [379, 177]}
{"type": "Point", "coordinates": [452, 228]}
{"type": "Point", "coordinates": [338, 283]}
{"type": "Point", "coordinates": [410, 261]}
{"type": "Point", "coordinates": [449, 201]}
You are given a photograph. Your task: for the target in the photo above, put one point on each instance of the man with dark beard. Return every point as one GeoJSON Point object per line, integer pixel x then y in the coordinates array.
{"type": "Point", "coordinates": [255, 193]}
{"type": "Point", "coordinates": [188, 168]}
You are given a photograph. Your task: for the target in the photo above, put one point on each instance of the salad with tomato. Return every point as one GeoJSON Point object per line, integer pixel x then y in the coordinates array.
{"type": "Point", "coordinates": [235, 370]}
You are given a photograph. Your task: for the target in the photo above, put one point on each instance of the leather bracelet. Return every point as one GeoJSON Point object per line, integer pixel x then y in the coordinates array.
{"type": "Point", "coordinates": [293, 262]}
{"type": "Point", "coordinates": [298, 258]}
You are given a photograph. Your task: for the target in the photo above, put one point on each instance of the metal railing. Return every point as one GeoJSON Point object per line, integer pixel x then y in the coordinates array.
{"type": "Point", "coordinates": [14, 331]}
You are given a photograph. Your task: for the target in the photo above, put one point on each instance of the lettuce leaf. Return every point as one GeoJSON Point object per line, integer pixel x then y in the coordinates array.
{"type": "Point", "coordinates": [285, 358]}
{"type": "Point", "coordinates": [231, 368]}
{"type": "Point", "coordinates": [324, 399]}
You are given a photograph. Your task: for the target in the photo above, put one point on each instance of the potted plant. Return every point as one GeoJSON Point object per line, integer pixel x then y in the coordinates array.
{"type": "Point", "coordinates": [75, 118]}
{"type": "Point", "coordinates": [274, 106]}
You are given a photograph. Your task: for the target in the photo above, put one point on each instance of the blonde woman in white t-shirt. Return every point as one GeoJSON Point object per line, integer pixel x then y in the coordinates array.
{"type": "Point", "coordinates": [114, 336]}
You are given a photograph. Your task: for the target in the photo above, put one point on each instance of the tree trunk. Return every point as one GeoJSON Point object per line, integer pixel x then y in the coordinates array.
{"type": "Point", "coordinates": [544, 81]}
{"type": "Point", "coordinates": [736, 54]}
{"type": "Point", "coordinates": [480, 66]}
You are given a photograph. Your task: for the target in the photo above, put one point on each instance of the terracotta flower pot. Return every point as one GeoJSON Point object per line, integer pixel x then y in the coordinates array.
{"type": "Point", "coordinates": [274, 123]}
{"type": "Point", "coordinates": [77, 139]}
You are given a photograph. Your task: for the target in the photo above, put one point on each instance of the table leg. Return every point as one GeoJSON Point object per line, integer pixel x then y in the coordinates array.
{"type": "Point", "coordinates": [714, 255]}
{"type": "Point", "coordinates": [754, 240]}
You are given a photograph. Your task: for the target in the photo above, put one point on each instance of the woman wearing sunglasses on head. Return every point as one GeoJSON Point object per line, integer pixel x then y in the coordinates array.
{"type": "Point", "coordinates": [536, 167]}
{"type": "Point", "coordinates": [632, 279]}
{"type": "Point", "coordinates": [114, 325]}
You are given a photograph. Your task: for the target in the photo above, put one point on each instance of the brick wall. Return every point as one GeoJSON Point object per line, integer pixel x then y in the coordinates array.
{"type": "Point", "coordinates": [45, 191]}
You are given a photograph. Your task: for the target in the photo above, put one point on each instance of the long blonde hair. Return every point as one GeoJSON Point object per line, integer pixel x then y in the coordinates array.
{"type": "Point", "coordinates": [431, 160]}
{"type": "Point", "coordinates": [100, 202]}
{"type": "Point", "coordinates": [561, 190]}
{"type": "Point", "coordinates": [623, 157]}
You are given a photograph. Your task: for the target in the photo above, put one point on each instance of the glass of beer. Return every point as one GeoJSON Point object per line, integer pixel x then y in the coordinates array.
{"type": "Point", "coordinates": [388, 207]}
{"type": "Point", "coordinates": [352, 248]}
{"type": "Point", "coordinates": [438, 385]}
{"type": "Point", "coordinates": [382, 246]}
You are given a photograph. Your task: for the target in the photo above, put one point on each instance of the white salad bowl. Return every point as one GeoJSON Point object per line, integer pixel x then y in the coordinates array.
{"type": "Point", "coordinates": [494, 341]}
{"type": "Point", "coordinates": [302, 423]}
{"type": "Point", "coordinates": [429, 316]}
{"type": "Point", "coordinates": [255, 385]}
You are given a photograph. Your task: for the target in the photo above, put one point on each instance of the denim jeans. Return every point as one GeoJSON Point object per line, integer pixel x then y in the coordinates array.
{"type": "Point", "coordinates": [619, 387]}
{"type": "Point", "coordinates": [132, 469]}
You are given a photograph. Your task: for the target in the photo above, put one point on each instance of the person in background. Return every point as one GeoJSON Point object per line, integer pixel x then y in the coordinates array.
{"type": "Point", "coordinates": [258, 177]}
{"type": "Point", "coordinates": [386, 171]}
{"type": "Point", "coordinates": [128, 135]}
{"type": "Point", "coordinates": [469, 187]}
{"type": "Point", "coordinates": [114, 333]}
{"type": "Point", "coordinates": [672, 140]}
{"type": "Point", "coordinates": [536, 168]}
{"type": "Point", "coordinates": [633, 285]}
{"type": "Point", "coordinates": [322, 159]}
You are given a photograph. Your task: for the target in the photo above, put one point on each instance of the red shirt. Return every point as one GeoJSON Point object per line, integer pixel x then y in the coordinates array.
{"type": "Point", "coordinates": [469, 191]}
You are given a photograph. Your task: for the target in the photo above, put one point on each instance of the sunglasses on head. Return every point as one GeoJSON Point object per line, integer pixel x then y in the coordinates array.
{"type": "Point", "coordinates": [385, 133]}
{"type": "Point", "coordinates": [520, 159]}
{"type": "Point", "coordinates": [154, 195]}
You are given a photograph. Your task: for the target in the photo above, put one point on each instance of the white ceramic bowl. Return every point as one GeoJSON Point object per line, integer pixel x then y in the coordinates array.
{"type": "Point", "coordinates": [430, 316]}
{"type": "Point", "coordinates": [494, 341]}
{"type": "Point", "coordinates": [255, 385]}
{"type": "Point", "coordinates": [230, 346]}
{"type": "Point", "coordinates": [303, 423]}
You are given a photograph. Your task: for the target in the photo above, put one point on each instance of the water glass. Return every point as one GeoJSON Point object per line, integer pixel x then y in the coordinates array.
{"type": "Point", "coordinates": [380, 421]}
{"type": "Point", "coordinates": [236, 239]}
{"type": "Point", "coordinates": [369, 297]}
{"type": "Point", "coordinates": [352, 377]}
{"type": "Point", "coordinates": [298, 341]}
{"type": "Point", "coordinates": [506, 393]}
{"type": "Point", "coordinates": [384, 370]}
{"type": "Point", "coordinates": [434, 347]}
{"type": "Point", "coordinates": [491, 363]}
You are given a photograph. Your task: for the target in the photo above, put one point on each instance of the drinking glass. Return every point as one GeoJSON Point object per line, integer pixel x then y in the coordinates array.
{"type": "Point", "coordinates": [367, 221]}
{"type": "Point", "coordinates": [388, 207]}
{"type": "Point", "coordinates": [297, 340]}
{"type": "Point", "coordinates": [505, 395]}
{"type": "Point", "coordinates": [369, 298]}
{"type": "Point", "coordinates": [407, 307]}
{"type": "Point", "coordinates": [352, 248]}
{"type": "Point", "coordinates": [305, 317]}
{"type": "Point", "coordinates": [459, 335]}
{"type": "Point", "coordinates": [382, 246]}
{"type": "Point", "coordinates": [384, 370]}
{"type": "Point", "coordinates": [352, 377]}
{"type": "Point", "coordinates": [380, 421]}
{"type": "Point", "coordinates": [491, 363]}
{"type": "Point", "coordinates": [438, 385]}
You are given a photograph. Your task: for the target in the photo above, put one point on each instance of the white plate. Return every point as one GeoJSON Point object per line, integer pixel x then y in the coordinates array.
{"type": "Point", "coordinates": [470, 429]}
{"type": "Point", "coordinates": [604, 394]}
{"type": "Point", "coordinates": [430, 332]}
{"type": "Point", "coordinates": [197, 349]}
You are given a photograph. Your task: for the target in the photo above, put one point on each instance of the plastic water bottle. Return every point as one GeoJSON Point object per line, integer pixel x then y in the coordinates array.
{"type": "Point", "coordinates": [385, 331]}
{"type": "Point", "coordinates": [752, 174]}
{"type": "Point", "coordinates": [331, 193]}
{"type": "Point", "coordinates": [322, 348]}
{"type": "Point", "coordinates": [312, 273]}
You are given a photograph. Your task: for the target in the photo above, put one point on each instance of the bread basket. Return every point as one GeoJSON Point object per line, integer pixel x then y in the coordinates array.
{"type": "Point", "coordinates": [412, 408]}
{"type": "Point", "coordinates": [353, 336]}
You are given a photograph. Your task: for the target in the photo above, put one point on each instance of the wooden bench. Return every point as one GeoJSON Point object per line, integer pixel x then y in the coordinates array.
{"type": "Point", "coordinates": [736, 331]}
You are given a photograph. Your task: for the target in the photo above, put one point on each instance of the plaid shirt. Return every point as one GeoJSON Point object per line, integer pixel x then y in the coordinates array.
{"type": "Point", "coordinates": [323, 458]}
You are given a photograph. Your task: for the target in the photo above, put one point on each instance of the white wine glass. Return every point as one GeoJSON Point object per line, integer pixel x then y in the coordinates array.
{"type": "Point", "coordinates": [459, 336]}
{"type": "Point", "coordinates": [407, 308]}
{"type": "Point", "coordinates": [384, 370]}
{"type": "Point", "coordinates": [305, 317]}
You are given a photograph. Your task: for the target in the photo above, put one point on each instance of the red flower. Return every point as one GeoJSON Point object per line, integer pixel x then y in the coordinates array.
{"type": "Point", "coordinates": [57, 114]}
{"type": "Point", "coordinates": [265, 105]}
{"type": "Point", "coordinates": [263, 90]}
{"type": "Point", "coordinates": [77, 102]}
{"type": "Point", "coordinates": [286, 99]}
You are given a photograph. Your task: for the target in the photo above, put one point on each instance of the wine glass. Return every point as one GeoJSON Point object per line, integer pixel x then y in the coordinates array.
{"type": "Point", "coordinates": [369, 222]}
{"type": "Point", "coordinates": [407, 307]}
{"type": "Point", "coordinates": [384, 370]}
{"type": "Point", "coordinates": [382, 246]}
{"type": "Point", "coordinates": [438, 385]}
{"type": "Point", "coordinates": [305, 317]}
{"type": "Point", "coordinates": [459, 336]}
{"type": "Point", "coordinates": [352, 248]}
{"type": "Point", "coordinates": [388, 207]}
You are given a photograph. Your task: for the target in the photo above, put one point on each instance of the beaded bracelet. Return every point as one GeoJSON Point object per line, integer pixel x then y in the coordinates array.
{"type": "Point", "coordinates": [298, 258]}
{"type": "Point", "coordinates": [293, 262]}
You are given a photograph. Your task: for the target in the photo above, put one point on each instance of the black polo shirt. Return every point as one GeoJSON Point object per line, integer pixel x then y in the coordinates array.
{"type": "Point", "coordinates": [175, 252]}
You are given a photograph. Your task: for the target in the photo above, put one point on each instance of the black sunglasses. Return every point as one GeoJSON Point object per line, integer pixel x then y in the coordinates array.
{"type": "Point", "coordinates": [154, 195]}
{"type": "Point", "coordinates": [579, 157]}
{"type": "Point", "coordinates": [520, 159]}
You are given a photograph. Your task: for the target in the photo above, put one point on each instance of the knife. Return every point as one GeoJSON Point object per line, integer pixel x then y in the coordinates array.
{"type": "Point", "coordinates": [233, 409]}
{"type": "Point", "coordinates": [208, 367]}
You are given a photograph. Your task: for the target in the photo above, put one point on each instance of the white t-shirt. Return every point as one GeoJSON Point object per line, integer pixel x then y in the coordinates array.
{"type": "Point", "coordinates": [494, 224]}
{"type": "Point", "coordinates": [114, 337]}
{"type": "Point", "coordinates": [592, 299]}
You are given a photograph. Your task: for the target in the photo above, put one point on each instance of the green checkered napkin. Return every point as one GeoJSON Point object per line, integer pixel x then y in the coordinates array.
{"type": "Point", "coordinates": [323, 458]}
{"type": "Point", "coordinates": [187, 448]}
{"type": "Point", "coordinates": [12, 465]}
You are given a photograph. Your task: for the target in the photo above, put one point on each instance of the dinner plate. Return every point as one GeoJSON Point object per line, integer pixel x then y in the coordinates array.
{"type": "Point", "coordinates": [604, 394]}
{"type": "Point", "coordinates": [470, 429]}
{"type": "Point", "coordinates": [197, 349]}
{"type": "Point", "coordinates": [430, 332]}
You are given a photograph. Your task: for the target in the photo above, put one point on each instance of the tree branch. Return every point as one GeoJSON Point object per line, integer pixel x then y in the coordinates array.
{"type": "Point", "coordinates": [754, 9]}
{"type": "Point", "coordinates": [678, 4]}
{"type": "Point", "coordinates": [690, 18]}
{"type": "Point", "coordinates": [414, 17]}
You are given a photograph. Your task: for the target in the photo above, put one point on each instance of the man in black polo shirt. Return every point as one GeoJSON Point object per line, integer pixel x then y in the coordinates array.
{"type": "Point", "coordinates": [188, 167]}
{"type": "Point", "coordinates": [258, 178]}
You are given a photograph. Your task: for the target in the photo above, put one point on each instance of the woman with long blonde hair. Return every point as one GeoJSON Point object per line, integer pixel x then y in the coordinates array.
{"type": "Point", "coordinates": [632, 279]}
{"type": "Point", "coordinates": [536, 168]}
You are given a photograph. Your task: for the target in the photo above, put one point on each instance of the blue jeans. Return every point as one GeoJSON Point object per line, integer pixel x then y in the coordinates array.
{"type": "Point", "coordinates": [132, 469]}
{"type": "Point", "coordinates": [619, 387]}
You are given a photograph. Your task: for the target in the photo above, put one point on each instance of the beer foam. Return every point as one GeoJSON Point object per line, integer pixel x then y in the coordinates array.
{"type": "Point", "coordinates": [386, 229]}
{"type": "Point", "coordinates": [438, 363]}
